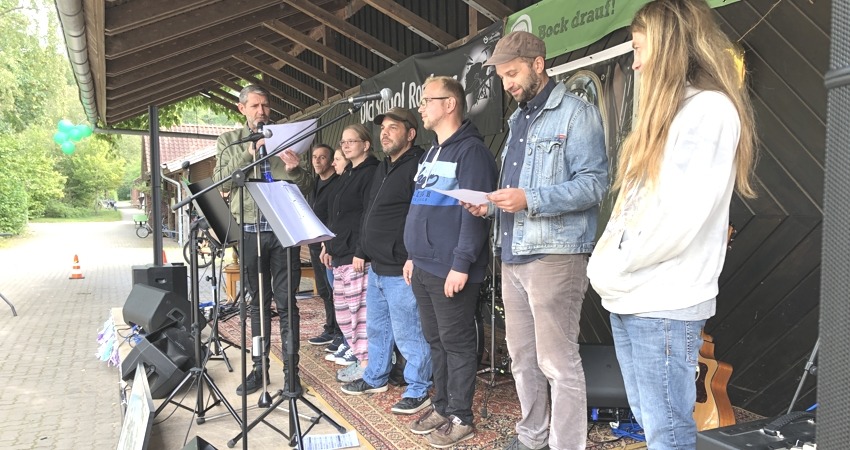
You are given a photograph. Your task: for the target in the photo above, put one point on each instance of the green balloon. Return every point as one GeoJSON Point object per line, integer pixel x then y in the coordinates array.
{"type": "Point", "coordinates": [60, 137]}
{"type": "Point", "coordinates": [67, 147]}
{"type": "Point", "coordinates": [65, 125]}
{"type": "Point", "coordinates": [85, 130]}
{"type": "Point", "coordinates": [75, 134]}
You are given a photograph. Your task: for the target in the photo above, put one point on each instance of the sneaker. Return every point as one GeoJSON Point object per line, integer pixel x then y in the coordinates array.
{"type": "Point", "coordinates": [347, 359]}
{"type": "Point", "coordinates": [339, 353]}
{"type": "Point", "coordinates": [252, 383]}
{"type": "Point", "coordinates": [351, 373]}
{"type": "Point", "coordinates": [334, 345]}
{"type": "Point", "coordinates": [450, 433]}
{"type": "Point", "coordinates": [360, 387]}
{"type": "Point", "coordinates": [322, 339]}
{"type": "Point", "coordinates": [516, 444]}
{"type": "Point", "coordinates": [411, 405]}
{"type": "Point", "coordinates": [427, 422]}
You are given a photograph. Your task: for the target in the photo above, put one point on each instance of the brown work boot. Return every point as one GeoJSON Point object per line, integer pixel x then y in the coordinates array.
{"type": "Point", "coordinates": [450, 433]}
{"type": "Point", "coordinates": [427, 422]}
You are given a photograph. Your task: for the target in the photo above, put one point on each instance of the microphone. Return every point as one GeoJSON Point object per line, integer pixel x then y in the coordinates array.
{"type": "Point", "coordinates": [385, 95]}
{"type": "Point", "coordinates": [262, 149]}
{"type": "Point", "coordinates": [254, 137]}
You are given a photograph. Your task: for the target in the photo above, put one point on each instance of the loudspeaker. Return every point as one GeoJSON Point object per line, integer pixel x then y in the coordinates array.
{"type": "Point", "coordinates": [169, 277]}
{"type": "Point", "coordinates": [166, 356]}
{"type": "Point", "coordinates": [153, 309]}
{"type": "Point", "coordinates": [795, 432]}
{"type": "Point", "coordinates": [197, 443]}
{"type": "Point", "coordinates": [602, 375]}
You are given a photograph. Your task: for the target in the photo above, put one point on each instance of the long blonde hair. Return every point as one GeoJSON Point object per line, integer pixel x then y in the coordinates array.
{"type": "Point", "coordinates": [684, 43]}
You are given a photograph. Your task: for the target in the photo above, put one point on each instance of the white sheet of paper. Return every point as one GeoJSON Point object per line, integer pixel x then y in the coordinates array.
{"type": "Point", "coordinates": [288, 213]}
{"type": "Point", "coordinates": [331, 441]}
{"type": "Point", "coordinates": [466, 195]}
{"type": "Point", "coordinates": [284, 132]}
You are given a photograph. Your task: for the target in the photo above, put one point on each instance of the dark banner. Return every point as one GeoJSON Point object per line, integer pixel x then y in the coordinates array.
{"type": "Point", "coordinates": [482, 86]}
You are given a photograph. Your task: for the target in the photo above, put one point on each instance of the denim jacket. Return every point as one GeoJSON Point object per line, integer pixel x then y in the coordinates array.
{"type": "Point", "coordinates": [564, 176]}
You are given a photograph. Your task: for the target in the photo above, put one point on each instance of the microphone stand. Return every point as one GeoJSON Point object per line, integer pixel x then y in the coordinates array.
{"type": "Point", "coordinates": [238, 179]}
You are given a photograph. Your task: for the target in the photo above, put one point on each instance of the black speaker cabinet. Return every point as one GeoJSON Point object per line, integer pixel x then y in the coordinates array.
{"type": "Point", "coordinates": [153, 309]}
{"type": "Point", "coordinates": [752, 435]}
{"type": "Point", "coordinates": [169, 277]}
{"type": "Point", "coordinates": [166, 355]}
{"type": "Point", "coordinates": [198, 443]}
{"type": "Point", "coordinates": [605, 388]}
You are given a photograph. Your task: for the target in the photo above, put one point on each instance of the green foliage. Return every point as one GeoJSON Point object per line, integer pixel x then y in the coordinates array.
{"type": "Point", "coordinates": [93, 172]}
{"type": "Point", "coordinates": [196, 110]}
{"type": "Point", "coordinates": [61, 212]}
{"type": "Point", "coordinates": [13, 196]}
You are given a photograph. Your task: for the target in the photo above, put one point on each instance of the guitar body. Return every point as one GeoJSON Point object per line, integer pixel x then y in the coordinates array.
{"type": "Point", "coordinates": [713, 408]}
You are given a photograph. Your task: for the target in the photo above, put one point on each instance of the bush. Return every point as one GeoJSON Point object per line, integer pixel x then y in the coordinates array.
{"type": "Point", "coordinates": [13, 208]}
{"type": "Point", "coordinates": [59, 210]}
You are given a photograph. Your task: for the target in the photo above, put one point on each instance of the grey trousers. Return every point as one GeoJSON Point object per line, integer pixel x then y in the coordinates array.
{"type": "Point", "coordinates": [542, 309]}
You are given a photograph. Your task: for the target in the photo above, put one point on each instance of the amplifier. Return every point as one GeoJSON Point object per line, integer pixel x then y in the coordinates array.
{"type": "Point", "coordinates": [794, 431]}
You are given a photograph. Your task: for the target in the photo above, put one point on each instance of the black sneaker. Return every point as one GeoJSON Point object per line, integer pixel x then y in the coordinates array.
{"type": "Point", "coordinates": [359, 387]}
{"type": "Point", "coordinates": [322, 339]}
{"type": "Point", "coordinates": [334, 345]}
{"type": "Point", "coordinates": [411, 405]}
{"type": "Point", "coordinates": [252, 383]}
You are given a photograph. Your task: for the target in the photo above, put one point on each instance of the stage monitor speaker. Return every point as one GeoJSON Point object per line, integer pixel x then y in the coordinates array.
{"type": "Point", "coordinates": [752, 435]}
{"type": "Point", "coordinates": [198, 443]}
{"type": "Point", "coordinates": [170, 277]}
{"type": "Point", "coordinates": [153, 309]}
{"type": "Point", "coordinates": [166, 356]}
{"type": "Point", "coordinates": [602, 375]}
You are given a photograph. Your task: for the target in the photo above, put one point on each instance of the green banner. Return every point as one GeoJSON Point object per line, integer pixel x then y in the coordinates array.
{"type": "Point", "coordinates": [566, 25]}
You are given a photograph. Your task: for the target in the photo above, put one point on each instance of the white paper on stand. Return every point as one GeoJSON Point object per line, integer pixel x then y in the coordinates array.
{"type": "Point", "coordinates": [284, 132]}
{"type": "Point", "coordinates": [288, 213]}
{"type": "Point", "coordinates": [466, 195]}
{"type": "Point", "coordinates": [331, 441]}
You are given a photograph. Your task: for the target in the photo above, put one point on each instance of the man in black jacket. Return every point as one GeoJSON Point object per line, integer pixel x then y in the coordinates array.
{"type": "Point", "coordinates": [322, 191]}
{"type": "Point", "coordinates": [392, 316]}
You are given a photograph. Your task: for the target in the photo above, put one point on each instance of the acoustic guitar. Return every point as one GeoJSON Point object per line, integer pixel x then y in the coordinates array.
{"type": "Point", "coordinates": [713, 408]}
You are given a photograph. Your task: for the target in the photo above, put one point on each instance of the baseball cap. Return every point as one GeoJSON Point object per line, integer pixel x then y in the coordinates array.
{"type": "Point", "coordinates": [397, 113]}
{"type": "Point", "coordinates": [517, 44]}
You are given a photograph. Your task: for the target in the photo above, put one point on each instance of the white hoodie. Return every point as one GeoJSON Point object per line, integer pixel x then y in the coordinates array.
{"type": "Point", "coordinates": [664, 246]}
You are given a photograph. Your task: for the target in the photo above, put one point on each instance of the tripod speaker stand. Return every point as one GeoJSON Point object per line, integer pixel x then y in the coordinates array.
{"type": "Point", "coordinates": [491, 381]}
{"type": "Point", "coordinates": [294, 224]}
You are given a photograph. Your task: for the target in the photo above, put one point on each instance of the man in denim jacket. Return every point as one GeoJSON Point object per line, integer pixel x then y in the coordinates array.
{"type": "Point", "coordinates": [554, 175]}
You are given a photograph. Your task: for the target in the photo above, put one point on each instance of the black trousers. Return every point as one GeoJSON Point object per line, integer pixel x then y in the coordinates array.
{"type": "Point", "coordinates": [449, 327]}
{"type": "Point", "coordinates": [275, 266]}
{"type": "Point", "coordinates": [325, 289]}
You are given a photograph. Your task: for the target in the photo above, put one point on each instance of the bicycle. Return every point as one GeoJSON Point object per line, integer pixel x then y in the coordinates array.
{"type": "Point", "coordinates": [143, 228]}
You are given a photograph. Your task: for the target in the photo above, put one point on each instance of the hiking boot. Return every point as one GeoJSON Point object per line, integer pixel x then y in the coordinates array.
{"type": "Point", "coordinates": [351, 373]}
{"type": "Point", "coordinates": [427, 422]}
{"type": "Point", "coordinates": [516, 444]}
{"type": "Point", "coordinates": [334, 345]}
{"type": "Point", "coordinates": [322, 339]}
{"type": "Point", "coordinates": [360, 387]}
{"type": "Point", "coordinates": [347, 358]}
{"type": "Point", "coordinates": [253, 382]}
{"type": "Point", "coordinates": [339, 353]}
{"type": "Point", "coordinates": [450, 433]}
{"type": "Point", "coordinates": [411, 405]}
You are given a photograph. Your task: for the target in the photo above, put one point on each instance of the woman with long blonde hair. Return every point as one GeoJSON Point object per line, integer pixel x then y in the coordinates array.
{"type": "Point", "coordinates": [657, 263]}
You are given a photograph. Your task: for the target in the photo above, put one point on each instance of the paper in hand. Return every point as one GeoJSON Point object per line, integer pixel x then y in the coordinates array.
{"type": "Point", "coordinates": [284, 132]}
{"type": "Point", "coordinates": [466, 195]}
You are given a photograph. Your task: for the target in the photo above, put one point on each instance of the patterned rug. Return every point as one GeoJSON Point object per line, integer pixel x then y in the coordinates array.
{"type": "Point", "coordinates": [370, 414]}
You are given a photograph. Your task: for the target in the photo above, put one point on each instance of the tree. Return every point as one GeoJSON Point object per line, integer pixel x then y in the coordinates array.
{"type": "Point", "coordinates": [93, 172]}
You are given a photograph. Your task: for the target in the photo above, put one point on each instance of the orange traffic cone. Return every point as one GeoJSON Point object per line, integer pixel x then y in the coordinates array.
{"type": "Point", "coordinates": [76, 273]}
{"type": "Point", "coordinates": [164, 259]}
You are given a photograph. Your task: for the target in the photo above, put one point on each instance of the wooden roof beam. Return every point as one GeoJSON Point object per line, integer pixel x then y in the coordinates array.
{"type": "Point", "coordinates": [176, 73]}
{"type": "Point", "coordinates": [344, 62]}
{"type": "Point", "coordinates": [156, 92]}
{"type": "Point", "coordinates": [355, 34]}
{"type": "Point", "coordinates": [236, 15]}
{"type": "Point", "coordinates": [297, 64]}
{"type": "Point", "coordinates": [280, 76]}
{"type": "Point", "coordinates": [118, 114]}
{"type": "Point", "coordinates": [492, 9]}
{"type": "Point", "coordinates": [126, 16]}
{"type": "Point", "coordinates": [412, 21]}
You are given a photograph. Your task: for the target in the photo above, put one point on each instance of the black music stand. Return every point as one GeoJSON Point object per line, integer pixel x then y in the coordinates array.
{"type": "Point", "coordinates": [294, 224]}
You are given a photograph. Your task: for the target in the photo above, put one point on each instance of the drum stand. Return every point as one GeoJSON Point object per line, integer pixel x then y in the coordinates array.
{"type": "Point", "coordinates": [491, 383]}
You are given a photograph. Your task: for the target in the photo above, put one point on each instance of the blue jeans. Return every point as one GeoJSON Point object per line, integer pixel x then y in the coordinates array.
{"type": "Point", "coordinates": [658, 359]}
{"type": "Point", "coordinates": [393, 317]}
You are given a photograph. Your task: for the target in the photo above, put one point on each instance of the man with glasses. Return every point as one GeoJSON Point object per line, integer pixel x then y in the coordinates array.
{"type": "Point", "coordinates": [447, 257]}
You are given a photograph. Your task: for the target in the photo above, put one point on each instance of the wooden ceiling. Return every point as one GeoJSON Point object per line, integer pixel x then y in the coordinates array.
{"type": "Point", "coordinates": [306, 53]}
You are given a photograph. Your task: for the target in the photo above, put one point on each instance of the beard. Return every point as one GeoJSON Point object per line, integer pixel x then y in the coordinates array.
{"type": "Point", "coordinates": [530, 86]}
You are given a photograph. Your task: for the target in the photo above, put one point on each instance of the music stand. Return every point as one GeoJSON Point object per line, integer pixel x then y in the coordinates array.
{"type": "Point", "coordinates": [293, 223]}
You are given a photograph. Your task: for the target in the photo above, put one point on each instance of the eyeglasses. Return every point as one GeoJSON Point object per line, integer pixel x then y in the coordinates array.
{"type": "Point", "coordinates": [349, 142]}
{"type": "Point", "coordinates": [424, 102]}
